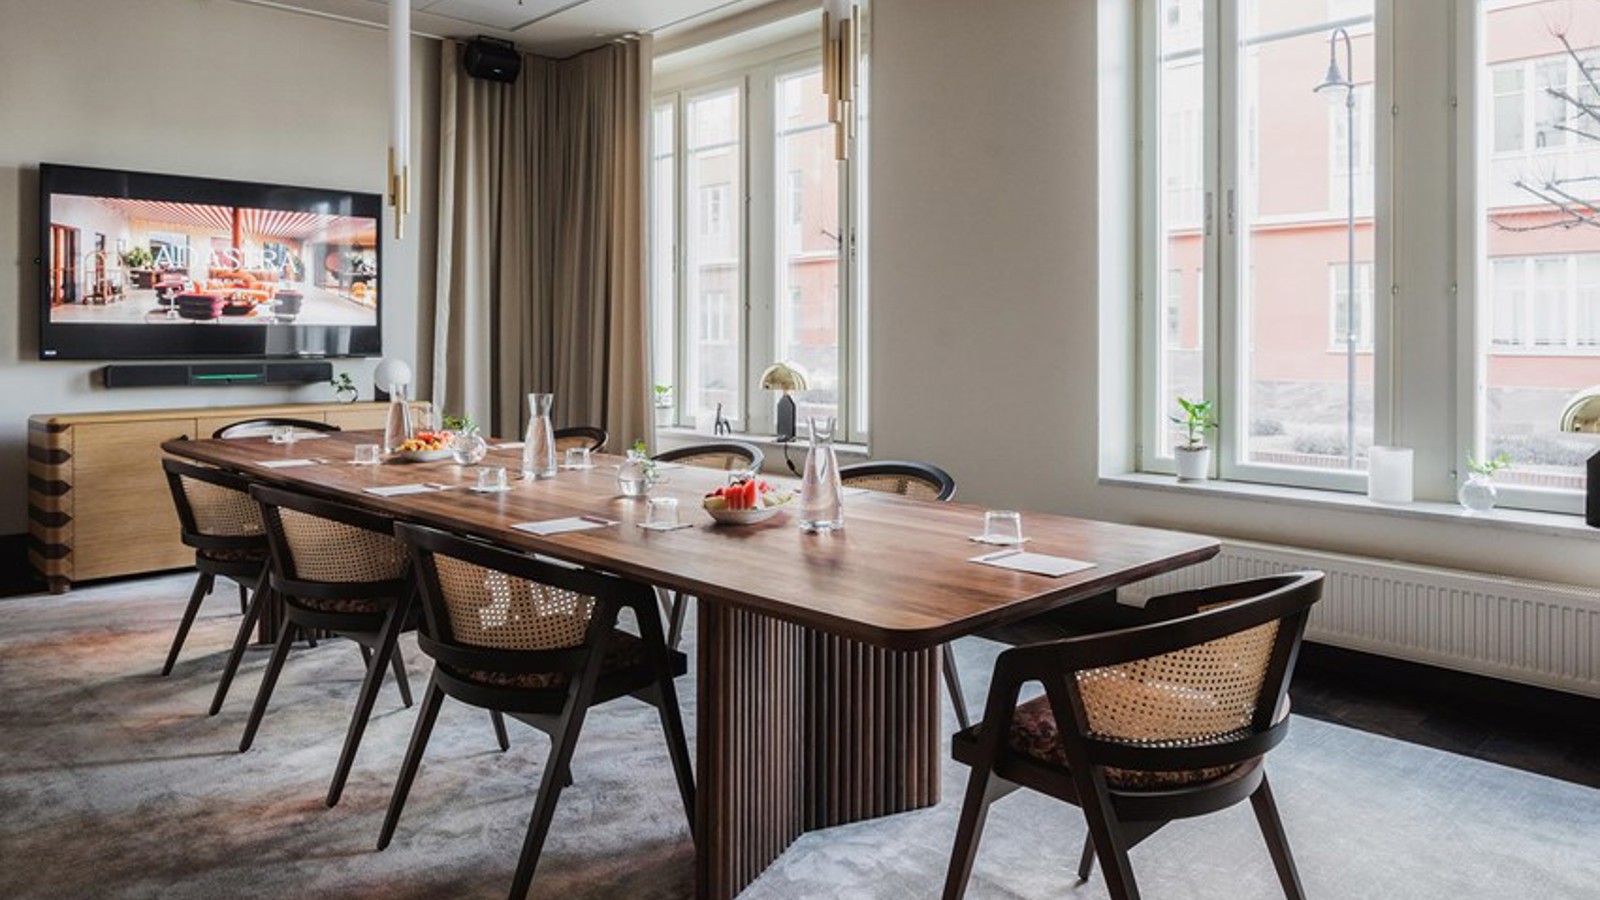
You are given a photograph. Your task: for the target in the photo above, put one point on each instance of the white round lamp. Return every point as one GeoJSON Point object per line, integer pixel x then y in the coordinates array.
{"type": "Point", "coordinates": [390, 375]}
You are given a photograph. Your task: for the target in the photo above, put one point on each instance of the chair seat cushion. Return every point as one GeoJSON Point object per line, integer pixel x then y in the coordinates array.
{"type": "Point", "coordinates": [238, 555]}
{"type": "Point", "coordinates": [1034, 734]}
{"type": "Point", "coordinates": [623, 652]}
{"type": "Point", "coordinates": [350, 605]}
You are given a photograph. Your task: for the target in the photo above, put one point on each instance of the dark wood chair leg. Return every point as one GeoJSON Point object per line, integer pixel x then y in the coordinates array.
{"type": "Point", "coordinates": [432, 699]}
{"type": "Point", "coordinates": [952, 683]}
{"type": "Point", "coordinates": [1086, 862]}
{"type": "Point", "coordinates": [1106, 838]}
{"type": "Point", "coordinates": [370, 685]}
{"type": "Point", "coordinates": [981, 793]}
{"type": "Point", "coordinates": [500, 735]}
{"type": "Point", "coordinates": [366, 655]}
{"type": "Point", "coordinates": [564, 741]}
{"type": "Point", "coordinates": [398, 663]}
{"type": "Point", "coordinates": [241, 640]}
{"type": "Point", "coordinates": [244, 599]}
{"type": "Point", "coordinates": [202, 587]}
{"type": "Point", "coordinates": [280, 652]}
{"type": "Point", "coordinates": [666, 703]}
{"type": "Point", "coordinates": [680, 609]}
{"type": "Point", "coordinates": [1266, 810]}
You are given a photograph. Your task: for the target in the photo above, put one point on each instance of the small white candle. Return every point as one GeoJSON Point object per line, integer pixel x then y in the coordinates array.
{"type": "Point", "coordinates": [1389, 474]}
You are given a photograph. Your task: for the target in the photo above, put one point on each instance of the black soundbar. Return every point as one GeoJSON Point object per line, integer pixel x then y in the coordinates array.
{"type": "Point", "coordinates": [217, 374]}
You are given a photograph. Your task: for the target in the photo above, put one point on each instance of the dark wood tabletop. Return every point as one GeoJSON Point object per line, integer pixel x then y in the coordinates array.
{"type": "Point", "coordinates": [897, 575]}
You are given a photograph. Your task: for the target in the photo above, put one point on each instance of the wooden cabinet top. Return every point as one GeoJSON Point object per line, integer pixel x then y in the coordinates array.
{"type": "Point", "coordinates": [291, 410]}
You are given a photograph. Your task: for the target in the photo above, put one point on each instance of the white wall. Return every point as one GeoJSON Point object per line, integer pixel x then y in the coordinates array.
{"type": "Point", "coordinates": [192, 87]}
{"type": "Point", "coordinates": [989, 191]}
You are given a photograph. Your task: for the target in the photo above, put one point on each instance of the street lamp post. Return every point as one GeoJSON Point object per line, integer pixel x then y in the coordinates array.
{"type": "Point", "coordinates": [1334, 82]}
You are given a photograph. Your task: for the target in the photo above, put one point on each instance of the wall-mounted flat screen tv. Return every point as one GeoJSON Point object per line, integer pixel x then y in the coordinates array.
{"type": "Point", "coordinates": [142, 266]}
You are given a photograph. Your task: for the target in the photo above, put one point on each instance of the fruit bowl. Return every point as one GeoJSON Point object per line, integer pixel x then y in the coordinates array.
{"type": "Point", "coordinates": [422, 455]}
{"type": "Point", "coordinates": [743, 516]}
{"type": "Point", "coordinates": [745, 502]}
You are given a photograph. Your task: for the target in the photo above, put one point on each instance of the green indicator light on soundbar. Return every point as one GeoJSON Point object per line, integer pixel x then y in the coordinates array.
{"type": "Point", "coordinates": [237, 377]}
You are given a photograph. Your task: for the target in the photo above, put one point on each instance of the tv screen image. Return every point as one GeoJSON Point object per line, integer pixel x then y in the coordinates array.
{"type": "Point", "coordinates": [146, 266]}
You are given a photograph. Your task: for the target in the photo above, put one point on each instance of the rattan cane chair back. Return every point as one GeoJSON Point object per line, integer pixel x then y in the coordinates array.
{"type": "Point", "coordinates": [319, 542]}
{"type": "Point", "coordinates": [213, 504]}
{"type": "Point", "coordinates": [493, 609]}
{"type": "Point", "coordinates": [1196, 695]}
{"type": "Point", "coordinates": [729, 456]}
{"type": "Point", "coordinates": [581, 436]}
{"type": "Point", "coordinates": [919, 481]}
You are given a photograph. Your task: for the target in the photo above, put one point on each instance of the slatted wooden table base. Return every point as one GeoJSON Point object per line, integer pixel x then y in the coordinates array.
{"type": "Point", "coordinates": [800, 730]}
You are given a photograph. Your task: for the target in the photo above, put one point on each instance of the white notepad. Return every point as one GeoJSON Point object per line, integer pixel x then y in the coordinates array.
{"type": "Point", "coordinates": [508, 445]}
{"type": "Point", "coordinates": [1036, 563]}
{"type": "Point", "coordinates": [562, 526]}
{"type": "Point", "coordinates": [400, 490]}
{"type": "Point", "coordinates": [288, 463]}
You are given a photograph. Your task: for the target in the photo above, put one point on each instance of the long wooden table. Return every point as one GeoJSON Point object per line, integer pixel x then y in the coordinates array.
{"type": "Point", "coordinates": [817, 655]}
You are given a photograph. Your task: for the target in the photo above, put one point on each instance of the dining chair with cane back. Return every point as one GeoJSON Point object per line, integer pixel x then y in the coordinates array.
{"type": "Point", "coordinates": [536, 640]}
{"type": "Point", "coordinates": [219, 520]}
{"type": "Point", "coordinates": [1145, 725]}
{"type": "Point", "coordinates": [261, 427]}
{"type": "Point", "coordinates": [338, 569]}
{"type": "Point", "coordinates": [581, 436]}
{"type": "Point", "coordinates": [918, 481]}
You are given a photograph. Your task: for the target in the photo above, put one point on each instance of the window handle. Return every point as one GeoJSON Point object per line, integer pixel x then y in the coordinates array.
{"type": "Point", "coordinates": [1211, 202]}
{"type": "Point", "coordinates": [1232, 219]}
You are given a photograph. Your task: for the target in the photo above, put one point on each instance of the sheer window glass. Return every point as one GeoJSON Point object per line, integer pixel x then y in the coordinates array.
{"type": "Point", "coordinates": [1339, 281]}
{"type": "Point", "coordinates": [713, 257]}
{"type": "Point", "coordinates": [1301, 403]}
{"type": "Point", "coordinates": [1178, 234]}
{"type": "Point", "coordinates": [663, 254]}
{"type": "Point", "coordinates": [1541, 258]}
{"type": "Point", "coordinates": [808, 253]}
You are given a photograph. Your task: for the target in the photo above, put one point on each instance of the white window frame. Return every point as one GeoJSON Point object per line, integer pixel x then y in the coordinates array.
{"type": "Point", "coordinates": [1365, 322]}
{"type": "Point", "coordinates": [763, 236]}
{"type": "Point", "coordinates": [1223, 259]}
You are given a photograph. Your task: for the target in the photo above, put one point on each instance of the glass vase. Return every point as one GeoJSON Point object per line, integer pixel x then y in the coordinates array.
{"type": "Point", "coordinates": [1478, 493]}
{"type": "Point", "coordinates": [398, 428]}
{"type": "Point", "coordinates": [539, 446]}
{"type": "Point", "coordinates": [468, 447]}
{"type": "Point", "coordinates": [821, 494]}
{"type": "Point", "coordinates": [636, 475]}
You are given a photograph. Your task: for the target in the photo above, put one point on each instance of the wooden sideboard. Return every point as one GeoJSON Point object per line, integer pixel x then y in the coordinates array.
{"type": "Point", "coordinates": [98, 504]}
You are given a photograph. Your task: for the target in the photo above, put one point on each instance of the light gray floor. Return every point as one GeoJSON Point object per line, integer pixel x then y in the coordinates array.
{"type": "Point", "coordinates": [114, 783]}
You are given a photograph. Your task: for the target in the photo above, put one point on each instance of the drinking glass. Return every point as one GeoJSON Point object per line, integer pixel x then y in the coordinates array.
{"type": "Point", "coordinates": [368, 454]}
{"type": "Point", "coordinates": [282, 434]}
{"type": "Point", "coordinates": [663, 512]}
{"type": "Point", "coordinates": [492, 478]}
{"type": "Point", "coordinates": [1002, 526]}
{"type": "Point", "coordinates": [577, 457]}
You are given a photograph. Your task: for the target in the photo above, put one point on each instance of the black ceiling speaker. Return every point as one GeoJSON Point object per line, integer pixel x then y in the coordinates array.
{"type": "Point", "coordinates": [492, 60]}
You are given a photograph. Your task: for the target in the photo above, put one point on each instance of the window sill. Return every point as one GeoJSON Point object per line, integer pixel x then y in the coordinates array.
{"type": "Point", "coordinates": [1552, 524]}
{"type": "Point", "coordinates": [675, 436]}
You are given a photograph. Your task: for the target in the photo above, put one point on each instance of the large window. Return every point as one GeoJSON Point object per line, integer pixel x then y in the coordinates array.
{"type": "Point", "coordinates": [1260, 202]}
{"type": "Point", "coordinates": [1538, 254]}
{"type": "Point", "coordinates": [763, 273]}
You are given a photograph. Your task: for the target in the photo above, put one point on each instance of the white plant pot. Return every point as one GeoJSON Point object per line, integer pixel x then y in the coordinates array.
{"type": "Point", "coordinates": [1194, 463]}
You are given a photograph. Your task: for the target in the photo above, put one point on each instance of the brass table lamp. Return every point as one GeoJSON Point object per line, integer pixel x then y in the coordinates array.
{"type": "Point", "coordinates": [1582, 416]}
{"type": "Point", "coordinates": [785, 377]}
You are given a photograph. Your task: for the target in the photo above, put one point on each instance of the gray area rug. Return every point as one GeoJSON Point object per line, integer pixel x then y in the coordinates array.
{"type": "Point", "coordinates": [114, 783]}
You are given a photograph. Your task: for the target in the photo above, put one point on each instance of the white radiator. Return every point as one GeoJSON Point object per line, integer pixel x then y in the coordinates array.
{"type": "Point", "coordinates": [1531, 632]}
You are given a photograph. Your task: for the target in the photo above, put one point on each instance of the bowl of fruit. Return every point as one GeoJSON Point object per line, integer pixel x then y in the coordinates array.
{"type": "Point", "coordinates": [745, 502]}
{"type": "Point", "coordinates": [427, 446]}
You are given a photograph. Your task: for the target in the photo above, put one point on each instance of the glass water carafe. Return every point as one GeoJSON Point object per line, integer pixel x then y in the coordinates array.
{"type": "Point", "coordinates": [398, 428]}
{"type": "Point", "coordinates": [821, 494]}
{"type": "Point", "coordinates": [539, 447]}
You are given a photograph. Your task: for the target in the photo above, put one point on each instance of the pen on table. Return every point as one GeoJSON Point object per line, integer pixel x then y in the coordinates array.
{"type": "Point", "coordinates": [1001, 555]}
{"type": "Point", "coordinates": [597, 520]}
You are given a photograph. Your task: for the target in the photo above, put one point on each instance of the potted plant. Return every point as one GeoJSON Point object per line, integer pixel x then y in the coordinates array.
{"type": "Point", "coordinates": [1194, 455]}
{"type": "Point", "coordinates": [344, 389]}
{"type": "Point", "coordinates": [663, 405]}
{"type": "Point", "coordinates": [1478, 493]}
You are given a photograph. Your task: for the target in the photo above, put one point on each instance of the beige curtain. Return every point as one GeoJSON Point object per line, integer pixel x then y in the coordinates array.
{"type": "Point", "coordinates": [541, 242]}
